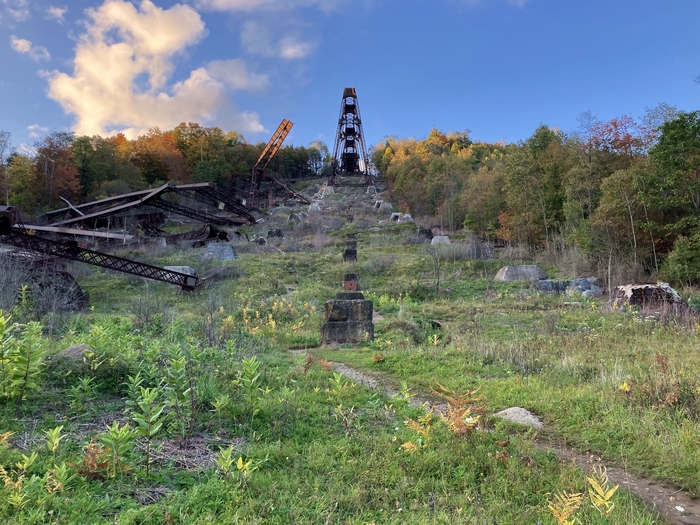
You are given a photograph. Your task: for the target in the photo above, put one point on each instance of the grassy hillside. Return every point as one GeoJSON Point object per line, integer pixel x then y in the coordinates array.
{"type": "Point", "coordinates": [220, 406]}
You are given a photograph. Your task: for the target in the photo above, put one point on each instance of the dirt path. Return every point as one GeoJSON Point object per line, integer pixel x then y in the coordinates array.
{"type": "Point", "coordinates": [672, 503]}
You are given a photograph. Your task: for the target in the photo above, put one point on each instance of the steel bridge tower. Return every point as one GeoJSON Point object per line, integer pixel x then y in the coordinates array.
{"type": "Point", "coordinates": [350, 164]}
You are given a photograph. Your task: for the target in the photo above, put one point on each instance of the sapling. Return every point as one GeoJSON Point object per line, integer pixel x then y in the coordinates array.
{"type": "Point", "coordinates": [149, 418]}
{"type": "Point", "coordinates": [26, 363]}
{"type": "Point", "coordinates": [179, 396]}
{"type": "Point", "coordinates": [119, 443]}
{"type": "Point", "coordinates": [53, 438]}
{"type": "Point", "coordinates": [6, 347]}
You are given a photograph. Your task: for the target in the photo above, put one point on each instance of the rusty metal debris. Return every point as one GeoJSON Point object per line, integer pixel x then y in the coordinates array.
{"type": "Point", "coordinates": [108, 211]}
{"type": "Point", "coordinates": [259, 192]}
{"type": "Point", "coordinates": [14, 233]}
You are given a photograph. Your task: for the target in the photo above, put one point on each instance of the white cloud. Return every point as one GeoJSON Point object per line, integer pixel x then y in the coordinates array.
{"type": "Point", "coordinates": [256, 40]}
{"type": "Point", "coordinates": [56, 13]}
{"type": "Point", "coordinates": [35, 130]}
{"type": "Point", "coordinates": [124, 45]}
{"type": "Point", "coordinates": [256, 5]}
{"type": "Point", "coordinates": [290, 47]}
{"type": "Point", "coordinates": [27, 48]}
{"type": "Point", "coordinates": [14, 11]}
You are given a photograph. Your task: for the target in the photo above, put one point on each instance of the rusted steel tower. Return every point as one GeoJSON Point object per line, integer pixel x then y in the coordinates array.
{"type": "Point", "coordinates": [350, 161]}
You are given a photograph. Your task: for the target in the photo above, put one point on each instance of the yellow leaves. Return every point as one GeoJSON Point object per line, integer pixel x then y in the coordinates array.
{"type": "Point", "coordinates": [600, 492]}
{"type": "Point", "coordinates": [4, 437]}
{"type": "Point", "coordinates": [242, 467]}
{"type": "Point", "coordinates": [409, 447]}
{"type": "Point", "coordinates": [423, 426]}
{"type": "Point", "coordinates": [564, 505]}
{"type": "Point", "coordinates": [624, 387]}
{"type": "Point", "coordinates": [463, 416]}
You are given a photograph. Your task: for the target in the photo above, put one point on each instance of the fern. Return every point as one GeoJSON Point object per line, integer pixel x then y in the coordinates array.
{"type": "Point", "coordinates": [564, 506]}
{"type": "Point", "coordinates": [600, 492]}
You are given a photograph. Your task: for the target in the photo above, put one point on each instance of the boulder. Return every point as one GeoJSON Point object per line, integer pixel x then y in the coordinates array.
{"type": "Point", "coordinates": [526, 272]}
{"type": "Point", "coordinates": [405, 218]}
{"type": "Point", "coordinates": [652, 297]}
{"type": "Point", "coordinates": [550, 286]}
{"type": "Point", "coordinates": [182, 269]}
{"type": "Point", "coordinates": [386, 207]}
{"type": "Point", "coordinates": [521, 416]}
{"type": "Point", "coordinates": [219, 252]}
{"type": "Point", "coordinates": [395, 216]}
{"type": "Point", "coordinates": [440, 239]}
{"type": "Point", "coordinates": [74, 352]}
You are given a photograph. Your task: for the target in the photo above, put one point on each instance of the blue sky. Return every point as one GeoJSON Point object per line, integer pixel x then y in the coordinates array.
{"type": "Point", "coordinates": [499, 68]}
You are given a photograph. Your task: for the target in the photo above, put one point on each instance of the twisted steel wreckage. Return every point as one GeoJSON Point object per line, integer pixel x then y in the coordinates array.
{"type": "Point", "coordinates": [65, 233]}
{"type": "Point", "coordinates": [136, 216]}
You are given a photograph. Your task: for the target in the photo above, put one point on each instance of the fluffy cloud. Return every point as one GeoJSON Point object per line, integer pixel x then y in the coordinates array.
{"type": "Point", "coordinates": [125, 48]}
{"type": "Point", "coordinates": [14, 11]}
{"type": "Point", "coordinates": [255, 5]}
{"type": "Point", "coordinates": [27, 48]}
{"type": "Point", "coordinates": [36, 131]}
{"type": "Point", "coordinates": [255, 39]}
{"type": "Point", "coordinates": [56, 13]}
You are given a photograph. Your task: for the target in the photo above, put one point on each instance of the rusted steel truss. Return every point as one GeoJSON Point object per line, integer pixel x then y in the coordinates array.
{"type": "Point", "coordinates": [205, 193]}
{"type": "Point", "coordinates": [350, 160]}
{"type": "Point", "coordinates": [256, 194]}
{"type": "Point", "coordinates": [13, 233]}
{"type": "Point", "coordinates": [69, 250]}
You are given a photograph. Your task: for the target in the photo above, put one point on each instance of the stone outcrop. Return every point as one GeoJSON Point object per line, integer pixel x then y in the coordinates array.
{"type": "Point", "coordinates": [652, 297]}
{"type": "Point", "coordinates": [530, 272]}
{"type": "Point", "coordinates": [585, 286]}
{"type": "Point", "coordinates": [440, 239]}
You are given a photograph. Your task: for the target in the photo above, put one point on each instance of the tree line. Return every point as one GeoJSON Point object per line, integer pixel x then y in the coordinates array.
{"type": "Point", "coordinates": [86, 168]}
{"type": "Point", "coordinates": [623, 189]}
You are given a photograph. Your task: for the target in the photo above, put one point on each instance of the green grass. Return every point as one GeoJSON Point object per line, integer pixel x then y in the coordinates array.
{"type": "Point", "coordinates": [329, 451]}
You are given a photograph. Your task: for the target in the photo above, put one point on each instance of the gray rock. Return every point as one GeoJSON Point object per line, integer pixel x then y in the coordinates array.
{"type": "Point", "coordinates": [405, 218]}
{"type": "Point", "coordinates": [395, 216]}
{"type": "Point", "coordinates": [386, 207]}
{"type": "Point", "coordinates": [219, 252]}
{"type": "Point", "coordinates": [550, 286]}
{"type": "Point", "coordinates": [659, 297]}
{"type": "Point", "coordinates": [521, 416]}
{"type": "Point", "coordinates": [74, 352]}
{"type": "Point", "coordinates": [530, 272]}
{"type": "Point", "coordinates": [440, 239]}
{"type": "Point", "coordinates": [314, 207]}
{"type": "Point", "coordinates": [594, 291]}
{"type": "Point", "coordinates": [181, 269]}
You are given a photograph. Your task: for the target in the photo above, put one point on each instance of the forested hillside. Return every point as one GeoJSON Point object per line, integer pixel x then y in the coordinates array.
{"type": "Point", "coordinates": [622, 191]}
{"type": "Point", "coordinates": [83, 168]}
